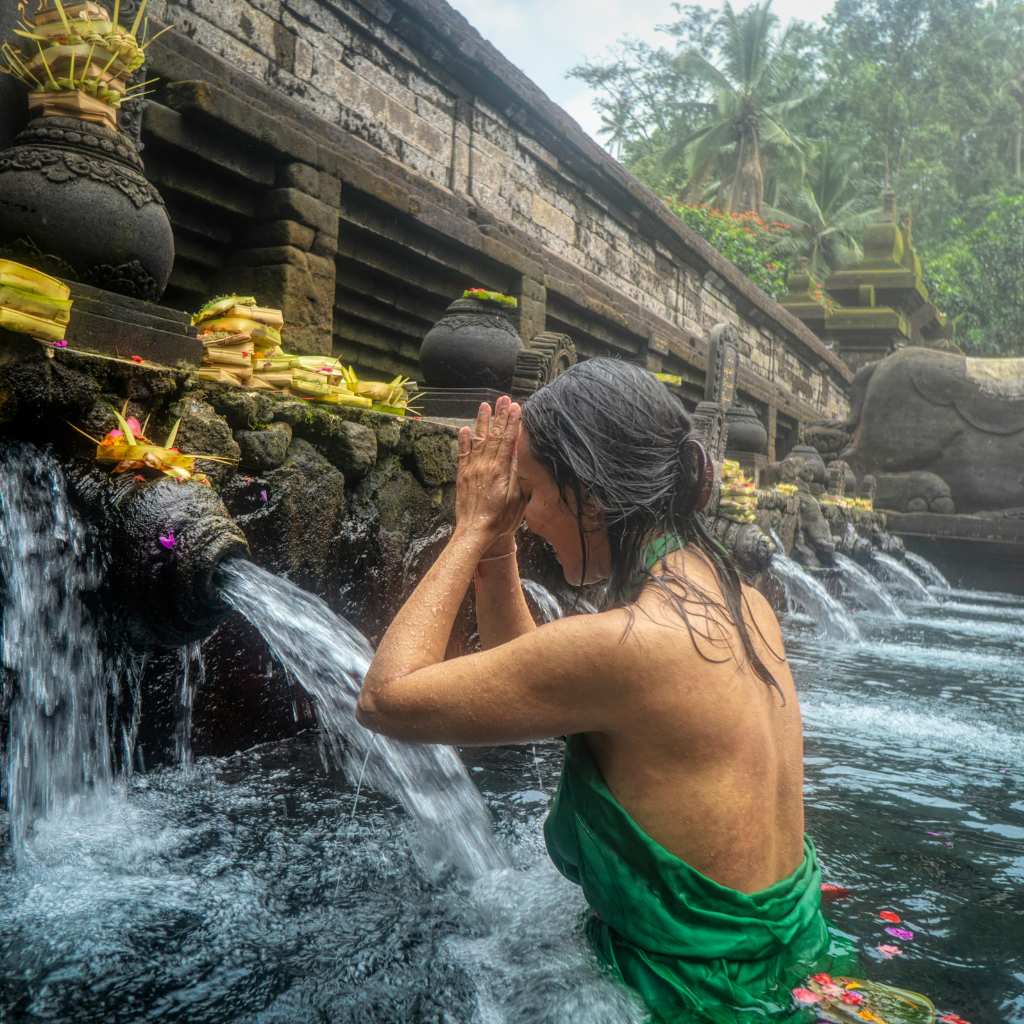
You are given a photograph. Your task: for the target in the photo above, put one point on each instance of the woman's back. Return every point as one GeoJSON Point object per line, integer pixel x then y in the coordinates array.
{"type": "Point", "coordinates": [708, 759]}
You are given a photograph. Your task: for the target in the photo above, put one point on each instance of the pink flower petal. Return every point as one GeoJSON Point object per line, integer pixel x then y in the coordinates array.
{"type": "Point", "coordinates": [168, 540]}
{"type": "Point", "coordinates": [805, 997]}
{"type": "Point", "coordinates": [890, 951]}
{"type": "Point", "coordinates": [900, 933]}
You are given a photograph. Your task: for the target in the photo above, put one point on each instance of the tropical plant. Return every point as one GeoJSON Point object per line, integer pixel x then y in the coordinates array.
{"type": "Point", "coordinates": [976, 277]}
{"type": "Point", "coordinates": [749, 116]}
{"type": "Point", "coordinates": [826, 211]}
{"type": "Point", "coordinates": [744, 239]}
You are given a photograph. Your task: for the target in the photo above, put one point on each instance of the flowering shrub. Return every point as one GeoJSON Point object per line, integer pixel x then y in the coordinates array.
{"type": "Point", "coordinates": [745, 239]}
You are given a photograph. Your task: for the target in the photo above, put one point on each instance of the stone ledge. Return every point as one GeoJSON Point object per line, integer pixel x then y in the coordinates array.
{"type": "Point", "coordinates": [967, 528]}
{"type": "Point", "coordinates": [343, 155]}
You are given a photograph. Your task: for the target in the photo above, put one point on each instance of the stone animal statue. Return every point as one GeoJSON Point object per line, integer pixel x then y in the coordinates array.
{"type": "Point", "coordinates": [950, 428]}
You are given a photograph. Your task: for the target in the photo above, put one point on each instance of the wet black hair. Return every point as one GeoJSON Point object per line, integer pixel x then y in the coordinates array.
{"type": "Point", "coordinates": [614, 438]}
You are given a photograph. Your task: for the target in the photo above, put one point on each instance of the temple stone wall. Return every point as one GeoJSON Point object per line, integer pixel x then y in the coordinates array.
{"type": "Point", "coordinates": [530, 203]}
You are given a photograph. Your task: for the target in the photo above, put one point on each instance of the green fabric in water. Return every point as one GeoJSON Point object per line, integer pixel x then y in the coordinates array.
{"type": "Point", "coordinates": [692, 949]}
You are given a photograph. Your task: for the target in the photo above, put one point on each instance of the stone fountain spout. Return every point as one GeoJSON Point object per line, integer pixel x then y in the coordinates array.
{"type": "Point", "coordinates": [165, 541]}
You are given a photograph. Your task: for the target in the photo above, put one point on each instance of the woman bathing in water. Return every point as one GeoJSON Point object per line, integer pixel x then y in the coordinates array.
{"type": "Point", "coordinates": [680, 808]}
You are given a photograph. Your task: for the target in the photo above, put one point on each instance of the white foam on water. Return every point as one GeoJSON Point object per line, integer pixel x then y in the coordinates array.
{"type": "Point", "coordinates": [947, 732]}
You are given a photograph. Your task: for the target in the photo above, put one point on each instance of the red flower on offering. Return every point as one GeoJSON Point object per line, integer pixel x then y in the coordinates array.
{"type": "Point", "coordinates": [805, 997]}
{"type": "Point", "coordinates": [953, 1018]}
{"type": "Point", "coordinates": [890, 916]}
{"type": "Point", "coordinates": [853, 998]}
{"type": "Point", "coordinates": [137, 359]}
{"type": "Point", "coordinates": [823, 979]}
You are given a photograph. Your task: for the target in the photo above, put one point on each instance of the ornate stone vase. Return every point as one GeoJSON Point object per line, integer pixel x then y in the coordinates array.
{"type": "Point", "coordinates": [813, 458]}
{"type": "Point", "coordinates": [74, 200]}
{"type": "Point", "coordinates": [746, 433]}
{"type": "Point", "coordinates": [474, 345]}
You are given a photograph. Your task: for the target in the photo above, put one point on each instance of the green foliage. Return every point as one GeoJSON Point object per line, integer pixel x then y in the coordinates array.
{"type": "Point", "coordinates": [977, 277]}
{"type": "Point", "coordinates": [928, 94]}
{"type": "Point", "coordinates": [744, 239]}
{"type": "Point", "coordinates": [826, 210]}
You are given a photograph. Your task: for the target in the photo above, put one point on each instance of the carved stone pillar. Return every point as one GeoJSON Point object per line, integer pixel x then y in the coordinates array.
{"type": "Point", "coordinates": [533, 306]}
{"type": "Point", "coordinates": [287, 258]}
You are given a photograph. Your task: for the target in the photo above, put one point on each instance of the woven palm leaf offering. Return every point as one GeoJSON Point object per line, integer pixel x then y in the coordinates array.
{"type": "Point", "coordinates": [738, 495]}
{"type": "Point", "coordinates": [849, 1001]}
{"type": "Point", "coordinates": [391, 397]}
{"type": "Point", "coordinates": [508, 302]}
{"type": "Point", "coordinates": [33, 303]}
{"type": "Point", "coordinates": [239, 337]}
{"type": "Point", "coordinates": [323, 379]}
{"type": "Point", "coordinates": [129, 451]}
{"type": "Point", "coordinates": [77, 59]}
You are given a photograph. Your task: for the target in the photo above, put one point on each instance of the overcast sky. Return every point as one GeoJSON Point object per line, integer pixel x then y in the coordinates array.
{"type": "Point", "coordinates": [547, 37]}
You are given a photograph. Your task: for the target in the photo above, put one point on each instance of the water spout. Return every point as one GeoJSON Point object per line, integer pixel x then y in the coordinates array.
{"type": "Point", "coordinates": [547, 604]}
{"type": "Point", "coordinates": [930, 573]}
{"type": "Point", "coordinates": [167, 540]}
{"type": "Point", "coordinates": [328, 657]}
{"type": "Point", "coordinates": [809, 594]}
{"type": "Point", "coordinates": [905, 579]}
{"type": "Point", "coordinates": [866, 589]}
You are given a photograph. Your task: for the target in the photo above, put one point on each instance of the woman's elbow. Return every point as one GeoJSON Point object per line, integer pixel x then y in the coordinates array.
{"type": "Point", "coordinates": [368, 714]}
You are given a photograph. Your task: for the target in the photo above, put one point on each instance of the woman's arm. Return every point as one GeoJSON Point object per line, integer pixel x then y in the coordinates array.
{"type": "Point", "coordinates": [546, 682]}
{"type": "Point", "coordinates": [571, 676]}
{"type": "Point", "coordinates": [501, 610]}
{"type": "Point", "coordinates": [488, 506]}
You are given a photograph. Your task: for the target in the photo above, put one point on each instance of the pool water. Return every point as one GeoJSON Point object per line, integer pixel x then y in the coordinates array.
{"type": "Point", "coordinates": [259, 888]}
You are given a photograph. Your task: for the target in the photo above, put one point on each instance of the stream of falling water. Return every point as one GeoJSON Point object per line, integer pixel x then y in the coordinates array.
{"type": "Point", "coordinates": [328, 657]}
{"type": "Point", "coordinates": [866, 589]}
{"type": "Point", "coordinates": [904, 578]}
{"type": "Point", "coordinates": [58, 747]}
{"type": "Point", "coordinates": [193, 676]}
{"type": "Point", "coordinates": [933, 577]}
{"type": "Point", "coordinates": [803, 589]}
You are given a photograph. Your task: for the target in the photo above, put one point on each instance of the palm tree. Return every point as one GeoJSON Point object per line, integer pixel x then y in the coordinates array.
{"type": "Point", "coordinates": [747, 116]}
{"type": "Point", "coordinates": [827, 211]}
{"type": "Point", "coordinates": [618, 124]}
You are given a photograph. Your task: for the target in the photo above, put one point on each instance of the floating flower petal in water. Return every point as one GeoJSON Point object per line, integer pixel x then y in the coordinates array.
{"type": "Point", "coordinates": [889, 951]}
{"type": "Point", "coordinates": [891, 916]}
{"type": "Point", "coordinates": [168, 541]}
{"type": "Point", "coordinates": [832, 891]}
{"type": "Point", "coordinates": [900, 933]}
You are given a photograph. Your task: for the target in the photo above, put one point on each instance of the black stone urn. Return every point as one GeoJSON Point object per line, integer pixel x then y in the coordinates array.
{"type": "Point", "coordinates": [74, 201]}
{"type": "Point", "coordinates": [812, 457]}
{"type": "Point", "coordinates": [745, 432]}
{"type": "Point", "coordinates": [474, 345]}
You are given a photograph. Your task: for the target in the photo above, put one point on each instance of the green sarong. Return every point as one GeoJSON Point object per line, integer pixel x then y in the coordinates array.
{"type": "Point", "coordinates": [693, 949]}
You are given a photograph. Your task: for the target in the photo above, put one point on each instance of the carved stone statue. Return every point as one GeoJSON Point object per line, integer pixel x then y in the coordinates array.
{"type": "Point", "coordinates": [939, 431]}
